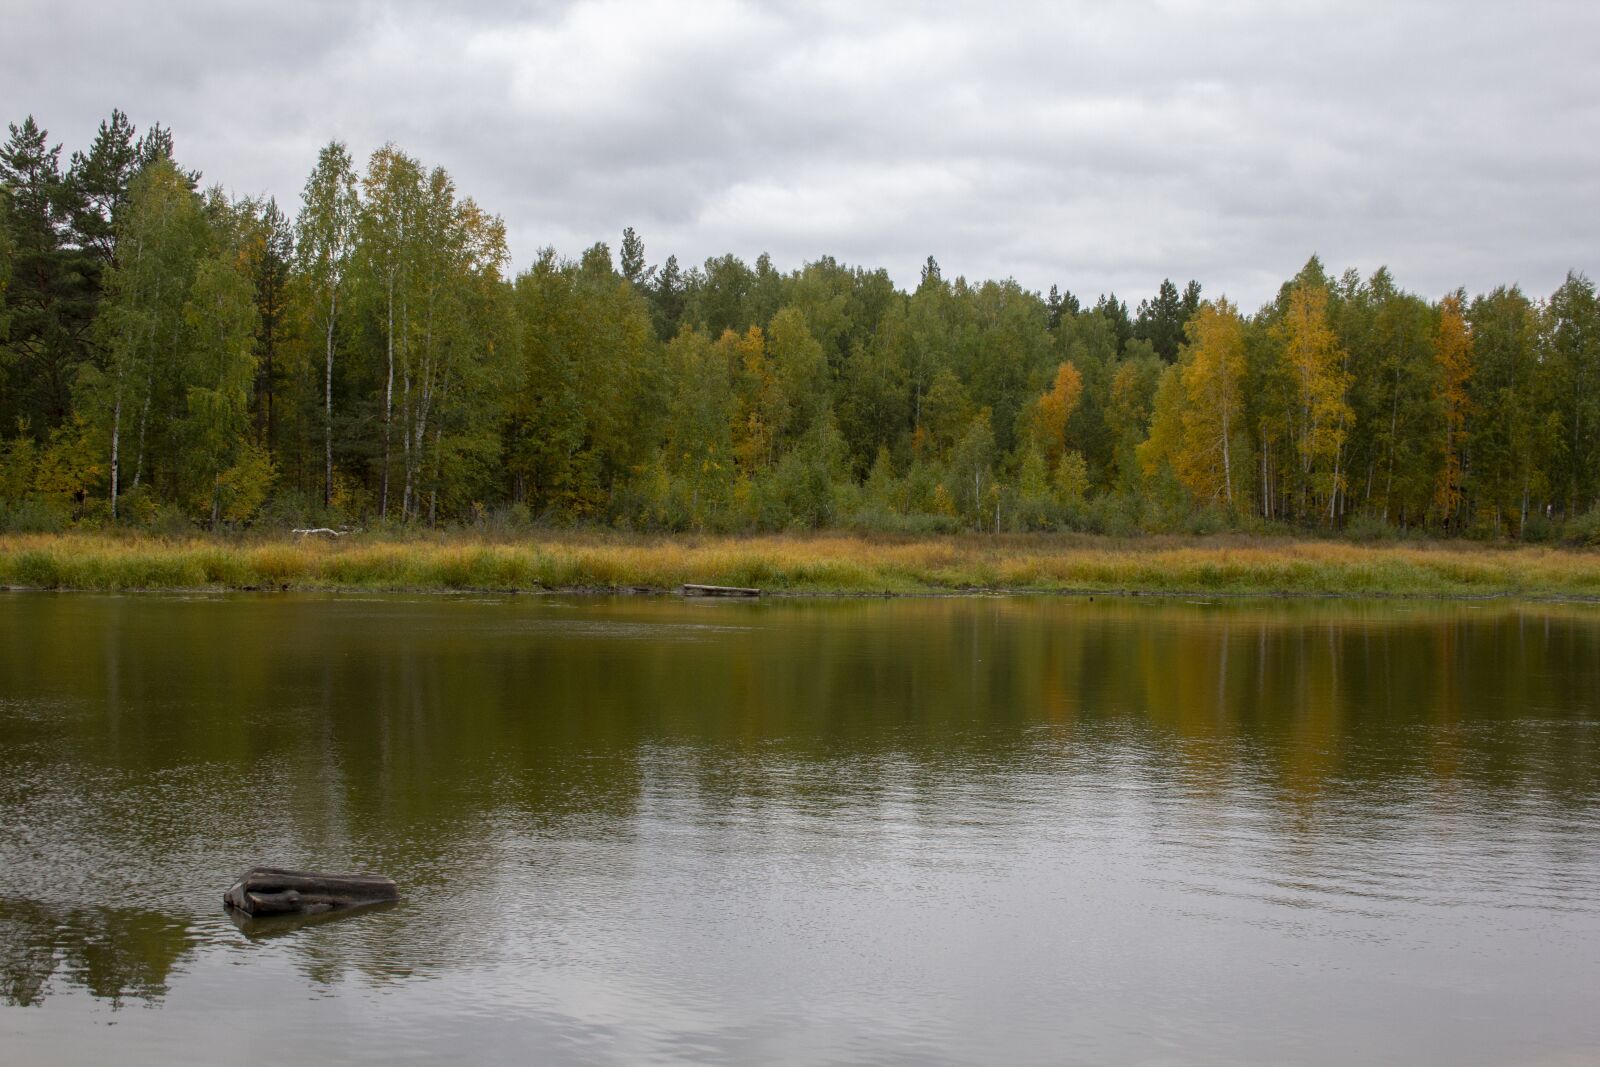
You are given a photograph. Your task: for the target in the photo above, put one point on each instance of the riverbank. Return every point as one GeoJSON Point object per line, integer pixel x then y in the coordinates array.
{"type": "Point", "coordinates": [819, 563]}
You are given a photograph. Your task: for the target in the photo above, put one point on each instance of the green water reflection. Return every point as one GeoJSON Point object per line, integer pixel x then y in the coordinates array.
{"type": "Point", "coordinates": [699, 815]}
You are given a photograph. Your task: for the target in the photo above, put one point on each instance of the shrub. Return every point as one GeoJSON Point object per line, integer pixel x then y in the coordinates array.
{"type": "Point", "coordinates": [1540, 529]}
{"type": "Point", "coordinates": [1584, 529]}
{"type": "Point", "coordinates": [31, 515]}
{"type": "Point", "coordinates": [291, 509]}
{"type": "Point", "coordinates": [1368, 526]}
{"type": "Point", "coordinates": [169, 520]}
{"type": "Point", "coordinates": [1207, 520]}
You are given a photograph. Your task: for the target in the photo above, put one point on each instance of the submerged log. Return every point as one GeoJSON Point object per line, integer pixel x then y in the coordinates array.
{"type": "Point", "coordinates": [718, 590]}
{"type": "Point", "coordinates": [275, 891]}
{"type": "Point", "coordinates": [259, 927]}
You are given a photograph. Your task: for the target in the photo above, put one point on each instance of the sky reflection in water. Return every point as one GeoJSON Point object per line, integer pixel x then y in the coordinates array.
{"type": "Point", "coordinates": [919, 830]}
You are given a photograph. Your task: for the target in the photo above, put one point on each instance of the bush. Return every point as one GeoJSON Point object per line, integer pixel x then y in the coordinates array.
{"type": "Point", "coordinates": [169, 520]}
{"type": "Point", "coordinates": [31, 515]}
{"type": "Point", "coordinates": [293, 509]}
{"type": "Point", "coordinates": [876, 520]}
{"type": "Point", "coordinates": [1584, 529]}
{"type": "Point", "coordinates": [1113, 516]}
{"type": "Point", "coordinates": [1367, 526]}
{"type": "Point", "coordinates": [1207, 520]}
{"type": "Point", "coordinates": [137, 506]}
{"type": "Point", "coordinates": [508, 521]}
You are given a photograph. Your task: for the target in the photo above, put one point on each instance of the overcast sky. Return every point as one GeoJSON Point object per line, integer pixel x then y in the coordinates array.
{"type": "Point", "coordinates": [1099, 146]}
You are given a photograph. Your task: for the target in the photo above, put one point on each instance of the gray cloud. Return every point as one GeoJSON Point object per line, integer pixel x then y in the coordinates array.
{"type": "Point", "coordinates": [1094, 145]}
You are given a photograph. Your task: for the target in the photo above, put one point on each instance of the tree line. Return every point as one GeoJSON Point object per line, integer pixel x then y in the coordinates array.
{"type": "Point", "coordinates": [171, 356]}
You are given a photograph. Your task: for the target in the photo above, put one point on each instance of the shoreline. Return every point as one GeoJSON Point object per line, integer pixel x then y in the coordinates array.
{"type": "Point", "coordinates": [800, 565]}
{"type": "Point", "coordinates": [998, 593]}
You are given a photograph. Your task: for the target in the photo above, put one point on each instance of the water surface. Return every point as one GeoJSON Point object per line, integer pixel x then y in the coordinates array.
{"type": "Point", "coordinates": [634, 830]}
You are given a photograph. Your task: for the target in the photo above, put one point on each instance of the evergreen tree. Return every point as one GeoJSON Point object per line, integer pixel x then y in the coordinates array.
{"type": "Point", "coordinates": [667, 298]}
{"type": "Point", "coordinates": [50, 293]}
{"type": "Point", "coordinates": [1160, 320]}
{"type": "Point", "coordinates": [633, 268]}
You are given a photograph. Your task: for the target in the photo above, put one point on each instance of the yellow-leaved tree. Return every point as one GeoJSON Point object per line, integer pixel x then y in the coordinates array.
{"type": "Point", "coordinates": [1213, 369]}
{"type": "Point", "coordinates": [757, 414]}
{"type": "Point", "coordinates": [1047, 419]}
{"type": "Point", "coordinates": [1322, 414]}
{"type": "Point", "coordinates": [1198, 405]}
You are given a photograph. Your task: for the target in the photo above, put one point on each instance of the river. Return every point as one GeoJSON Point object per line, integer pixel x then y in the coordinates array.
{"type": "Point", "coordinates": [972, 830]}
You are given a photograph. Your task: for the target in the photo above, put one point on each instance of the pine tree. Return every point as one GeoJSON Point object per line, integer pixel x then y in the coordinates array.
{"type": "Point", "coordinates": [633, 268]}
{"type": "Point", "coordinates": [50, 295]}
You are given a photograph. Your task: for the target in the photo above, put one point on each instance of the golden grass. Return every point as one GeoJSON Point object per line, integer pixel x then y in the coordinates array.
{"type": "Point", "coordinates": [834, 563]}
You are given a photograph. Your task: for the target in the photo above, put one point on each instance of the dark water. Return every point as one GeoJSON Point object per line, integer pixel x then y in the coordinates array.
{"type": "Point", "coordinates": [913, 831]}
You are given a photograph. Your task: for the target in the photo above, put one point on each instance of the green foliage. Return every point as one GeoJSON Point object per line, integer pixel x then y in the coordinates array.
{"type": "Point", "coordinates": [7, 266]}
{"type": "Point", "coordinates": [243, 487]}
{"type": "Point", "coordinates": [31, 515]}
{"type": "Point", "coordinates": [970, 480]}
{"type": "Point", "coordinates": [70, 466]}
{"type": "Point", "coordinates": [164, 347]}
{"type": "Point", "coordinates": [1584, 529]}
{"type": "Point", "coordinates": [1071, 479]}
{"type": "Point", "coordinates": [221, 321]}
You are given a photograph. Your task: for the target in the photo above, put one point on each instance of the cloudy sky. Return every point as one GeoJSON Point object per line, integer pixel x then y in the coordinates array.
{"type": "Point", "coordinates": [1099, 146]}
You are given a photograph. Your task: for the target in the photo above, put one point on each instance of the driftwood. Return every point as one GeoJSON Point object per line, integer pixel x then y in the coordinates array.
{"type": "Point", "coordinates": [274, 891]}
{"type": "Point", "coordinates": [719, 590]}
{"type": "Point", "coordinates": [321, 531]}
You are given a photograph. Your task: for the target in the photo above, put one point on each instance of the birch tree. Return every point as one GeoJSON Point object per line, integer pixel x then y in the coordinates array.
{"type": "Point", "coordinates": [1321, 416]}
{"type": "Point", "coordinates": [392, 195]}
{"type": "Point", "coordinates": [326, 229]}
{"type": "Point", "coordinates": [1572, 350]}
{"type": "Point", "coordinates": [220, 321]}
{"type": "Point", "coordinates": [1213, 374]}
{"type": "Point", "coordinates": [160, 240]}
{"type": "Point", "coordinates": [1452, 351]}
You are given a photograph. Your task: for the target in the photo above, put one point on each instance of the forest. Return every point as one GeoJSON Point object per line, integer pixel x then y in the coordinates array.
{"type": "Point", "coordinates": [174, 358]}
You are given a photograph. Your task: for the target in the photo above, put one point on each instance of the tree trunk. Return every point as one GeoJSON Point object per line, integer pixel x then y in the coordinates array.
{"type": "Point", "coordinates": [1227, 462]}
{"type": "Point", "coordinates": [1266, 496]}
{"type": "Point", "coordinates": [327, 409]}
{"type": "Point", "coordinates": [1333, 491]}
{"type": "Point", "coordinates": [144, 416]}
{"type": "Point", "coordinates": [405, 411]}
{"type": "Point", "coordinates": [116, 443]}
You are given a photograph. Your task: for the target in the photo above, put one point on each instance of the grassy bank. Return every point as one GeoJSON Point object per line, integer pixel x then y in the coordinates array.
{"type": "Point", "coordinates": [816, 564]}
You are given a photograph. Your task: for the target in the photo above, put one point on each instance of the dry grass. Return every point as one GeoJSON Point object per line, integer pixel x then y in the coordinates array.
{"type": "Point", "coordinates": [814, 563]}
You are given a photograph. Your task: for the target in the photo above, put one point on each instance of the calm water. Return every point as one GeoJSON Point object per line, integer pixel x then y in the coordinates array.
{"type": "Point", "coordinates": [997, 830]}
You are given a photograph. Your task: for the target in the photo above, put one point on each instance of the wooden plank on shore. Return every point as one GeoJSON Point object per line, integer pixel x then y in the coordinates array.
{"type": "Point", "coordinates": [718, 590]}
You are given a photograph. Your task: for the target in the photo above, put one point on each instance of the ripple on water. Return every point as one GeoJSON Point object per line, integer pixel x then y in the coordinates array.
{"type": "Point", "coordinates": [870, 833]}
